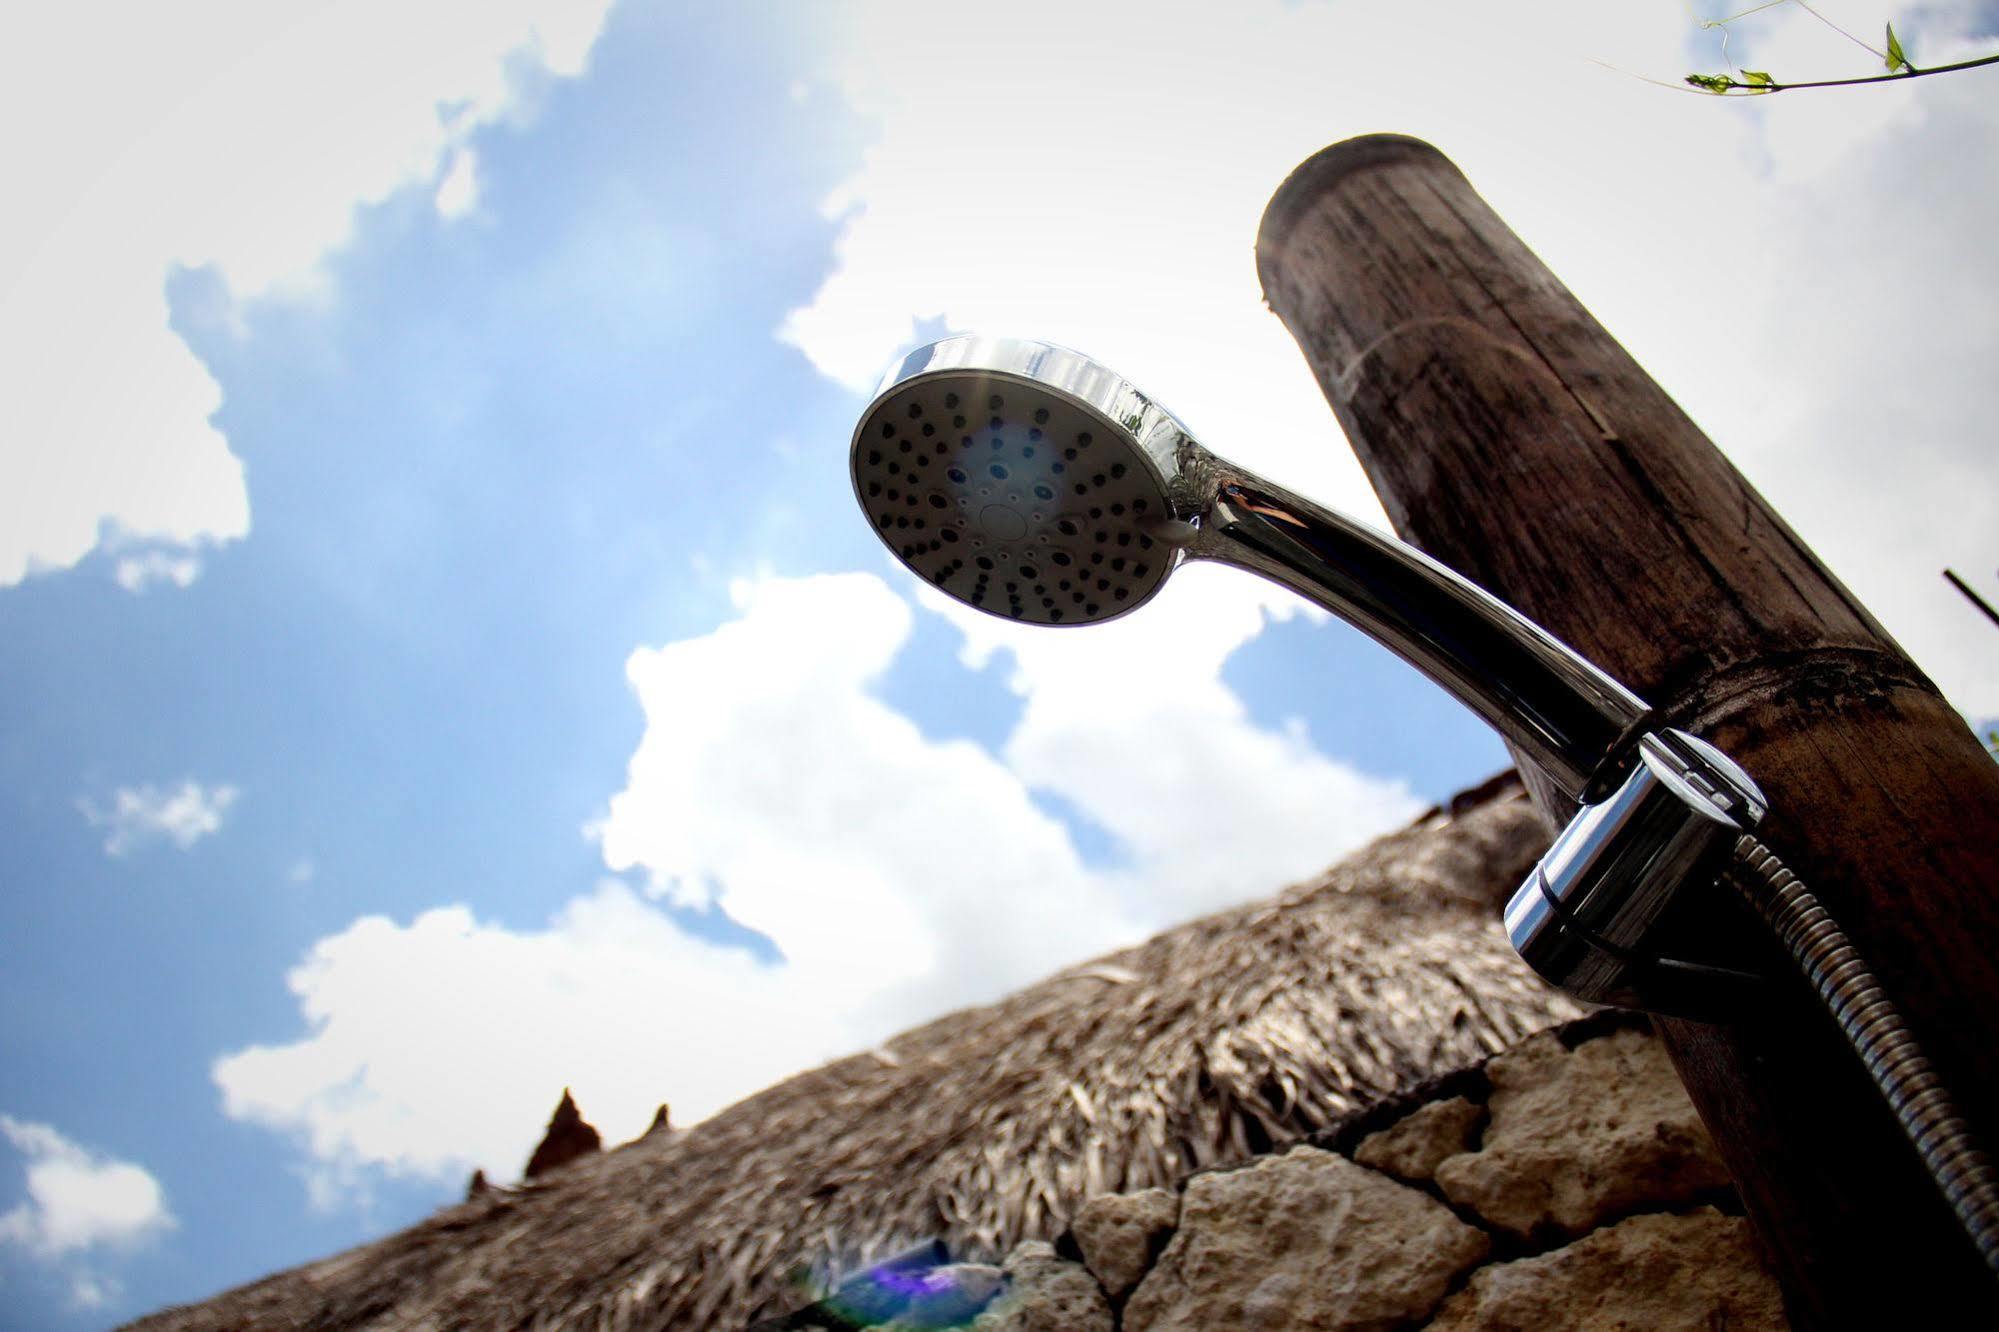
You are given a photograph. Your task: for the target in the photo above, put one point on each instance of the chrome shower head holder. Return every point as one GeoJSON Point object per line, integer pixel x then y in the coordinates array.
{"type": "Point", "coordinates": [1031, 482]}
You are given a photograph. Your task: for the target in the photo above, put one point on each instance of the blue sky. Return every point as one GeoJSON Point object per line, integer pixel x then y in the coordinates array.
{"type": "Point", "coordinates": [438, 663]}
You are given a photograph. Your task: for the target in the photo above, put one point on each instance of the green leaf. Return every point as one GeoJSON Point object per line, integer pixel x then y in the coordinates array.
{"type": "Point", "coordinates": [1758, 78]}
{"type": "Point", "coordinates": [1896, 59]}
{"type": "Point", "coordinates": [1714, 83]}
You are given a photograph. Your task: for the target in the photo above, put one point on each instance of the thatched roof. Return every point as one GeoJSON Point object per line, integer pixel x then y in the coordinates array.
{"type": "Point", "coordinates": [1213, 1041]}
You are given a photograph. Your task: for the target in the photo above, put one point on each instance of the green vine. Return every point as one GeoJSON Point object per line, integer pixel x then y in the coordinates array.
{"type": "Point", "coordinates": [1756, 82]}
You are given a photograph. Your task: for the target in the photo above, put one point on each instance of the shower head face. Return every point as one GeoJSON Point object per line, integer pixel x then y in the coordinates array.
{"type": "Point", "coordinates": [1020, 478]}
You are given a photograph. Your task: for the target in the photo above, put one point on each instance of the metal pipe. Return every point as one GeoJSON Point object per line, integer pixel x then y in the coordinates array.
{"type": "Point", "coordinates": [1559, 710]}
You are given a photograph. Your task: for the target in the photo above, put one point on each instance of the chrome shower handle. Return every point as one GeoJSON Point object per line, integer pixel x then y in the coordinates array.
{"type": "Point", "coordinates": [1556, 707]}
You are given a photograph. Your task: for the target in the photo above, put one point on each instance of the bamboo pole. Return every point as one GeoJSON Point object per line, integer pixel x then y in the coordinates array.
{"type": "Point", "coordinates": [1510, 436]}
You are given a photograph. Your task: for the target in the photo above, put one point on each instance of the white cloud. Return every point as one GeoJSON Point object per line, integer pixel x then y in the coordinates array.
{"type": "Point", "coordinates": [443, 1044]}
{"type": "Point", "coordinates": [224, 132]}
{"type": "Point", "coordinates": [136, 573]}
{"type": "Point", "coordinates": [1129, 721]}
{"type": "Point", "coordinates": [89, 1290]}
{"type": "Point", "coordinates": [458, 191]}
{"type": "Point", "coordinates": [898, 875]}
{"type": "Point", "coordinates": [142, 815]}
{"type": "Point", "coordinates": [1104, 189]}
{"type": "Point", "coordinates": [80, 1204]}
{"type": "Point", "coordinates": [1802, 272]}
{"type": "Point", "coordinates": [773, 780]}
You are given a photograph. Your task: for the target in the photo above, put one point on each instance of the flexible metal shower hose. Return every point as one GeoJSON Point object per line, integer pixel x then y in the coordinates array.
{"type": "Point", "coordinates": [1878, 1034]}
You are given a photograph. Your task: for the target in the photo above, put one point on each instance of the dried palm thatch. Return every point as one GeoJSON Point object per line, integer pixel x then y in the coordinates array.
{"type": "Point", "coordinates": [1222, 1038]}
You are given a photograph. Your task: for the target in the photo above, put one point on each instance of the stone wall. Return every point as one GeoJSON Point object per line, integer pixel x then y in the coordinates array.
{"type": "Point", "coordinates": [1566, 1183]}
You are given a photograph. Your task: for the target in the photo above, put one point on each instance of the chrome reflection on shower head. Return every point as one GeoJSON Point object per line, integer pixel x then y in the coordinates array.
{"type": "Point", "coordinates": [1029, 481]}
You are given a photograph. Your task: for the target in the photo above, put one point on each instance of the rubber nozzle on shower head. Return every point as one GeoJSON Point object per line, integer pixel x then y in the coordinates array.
{"type": "Point", "coordinates": [1021, 478]}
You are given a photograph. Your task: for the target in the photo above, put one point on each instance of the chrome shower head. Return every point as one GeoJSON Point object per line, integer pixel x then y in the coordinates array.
{"type": "Point", "coordinates": [1029, 481]}
{"type": "Point", "coordinates": [1034, 484]}
{"type": "Point", "coordinates": [1022, 479]}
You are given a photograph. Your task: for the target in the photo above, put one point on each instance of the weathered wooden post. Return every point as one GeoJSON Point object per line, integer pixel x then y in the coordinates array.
{"type": "Point", "coordinates": [1510, 436]}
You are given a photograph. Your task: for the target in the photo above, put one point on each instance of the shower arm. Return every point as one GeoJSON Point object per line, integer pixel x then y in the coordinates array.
{"type": "Point", "coordinates": [1655, 809]}
{"type": "Point", "coordinates": [1557, 709]}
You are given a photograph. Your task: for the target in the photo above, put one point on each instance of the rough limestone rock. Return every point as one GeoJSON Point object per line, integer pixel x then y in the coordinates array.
{"type": "Point", "coordinates": [568, 1137]}
{"type": "Point", "coordinates": [1045, 1294]}
{"type": "Point", "coordinates": [1578, 1136]}
{"type": "Point", "coordinates": [1412, 1147]}
{"type": "Point", "coordinates": [1303, 1240]}
{"type": "Point", "coordinates": [1120, 1233]}
{"type": "Point", "coordinates": [1648, 1272]}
